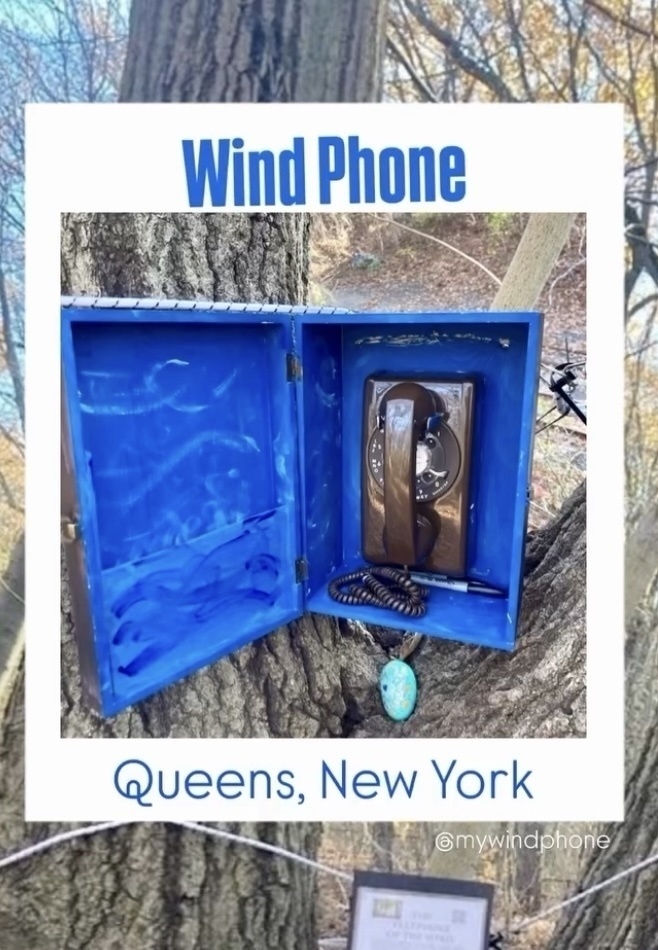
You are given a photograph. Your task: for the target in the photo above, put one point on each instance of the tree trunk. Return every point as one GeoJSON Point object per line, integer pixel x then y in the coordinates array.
{"type": "Point", "coordinates": [12, 610]}
{"type": "Point", "coordinates": [254, 51]}
{"type": "Point", "coordinates": [156, 887]}
{"type": "Point", "coordinates": [538, 249]}
{"type": "Point", "coordinates": [623, 917]}
{"type": "Point", "coordinates": [641, 558]}
{"type": "Point", "coordinates": [382, 838]}
{"type": "Point", "coordinates": [527, 871]}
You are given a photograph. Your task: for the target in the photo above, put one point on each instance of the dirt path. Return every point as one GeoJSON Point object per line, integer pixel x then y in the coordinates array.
{"type": "Point", "coordinates": [379, 266]}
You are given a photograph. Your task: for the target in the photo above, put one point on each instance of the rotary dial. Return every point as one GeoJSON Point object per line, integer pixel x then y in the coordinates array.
{"type": "Point", "coordinates": [437, 462]}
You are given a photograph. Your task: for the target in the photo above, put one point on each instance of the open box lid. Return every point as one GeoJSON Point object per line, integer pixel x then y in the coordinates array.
{"type": "Point", "coordinates": [180, 476]}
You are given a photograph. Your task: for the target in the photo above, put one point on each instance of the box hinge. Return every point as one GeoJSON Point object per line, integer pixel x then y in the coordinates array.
{"type": "Point", "coordinates": [69, 530]}
{"type": "Point", "coordinates": [293, 368]}
{"type": "Point", "coordinates": [301, 570]}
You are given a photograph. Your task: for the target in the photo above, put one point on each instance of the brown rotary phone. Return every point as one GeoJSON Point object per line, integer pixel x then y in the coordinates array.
{"type": "Point", "coordinates": [415, 473]}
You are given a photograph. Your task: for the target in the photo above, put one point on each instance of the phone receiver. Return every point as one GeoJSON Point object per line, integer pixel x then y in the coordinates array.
{"type": "Point", "coordinates": [415, 471]}
{"type": "Point", "coordinates": [408, 535]}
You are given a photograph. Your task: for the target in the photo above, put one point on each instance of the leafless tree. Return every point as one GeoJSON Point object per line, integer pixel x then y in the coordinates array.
{"type": "Point", "coordinates": [51, 51]}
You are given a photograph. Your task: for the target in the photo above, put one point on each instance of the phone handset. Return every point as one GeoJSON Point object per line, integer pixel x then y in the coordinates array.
{"type": "Point", "coordinates": [407, 414]}
{"type": "Point", "coordinates": [415, 471]}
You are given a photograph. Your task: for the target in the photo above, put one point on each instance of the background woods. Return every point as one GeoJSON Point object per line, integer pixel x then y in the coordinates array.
{"type": "Point", "coordinates": [51, 52]}
{"type": "Point", "coordinates": [195, 891]}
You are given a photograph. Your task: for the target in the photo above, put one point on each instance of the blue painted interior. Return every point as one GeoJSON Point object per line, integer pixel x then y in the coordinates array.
{"type": "Point", "coordinates": [203, 474]}
{"type": "Point", "coordinates": [501, 352]}
{"type": "Point", "coordinates": [186, 460]}
{"type": "Point", "coordinates": [321, 428]}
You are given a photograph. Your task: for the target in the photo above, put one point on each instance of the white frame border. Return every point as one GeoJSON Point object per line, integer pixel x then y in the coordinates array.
{"type": "Point", "coordinates": [127, 158]}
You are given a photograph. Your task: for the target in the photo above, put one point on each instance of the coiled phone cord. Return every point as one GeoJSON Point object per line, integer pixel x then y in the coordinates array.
{"type": "Point", "coordinates": [400, 593]}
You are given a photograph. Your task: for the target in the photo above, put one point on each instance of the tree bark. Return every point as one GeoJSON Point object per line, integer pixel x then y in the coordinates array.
{"type": "Point", "coordinates": [254, 51]}
{"type": "Point", "coordinates": [156, 887]}
{"type": "Point", "coordinates": [12, 609]}
{"type": "Point", "coordinates": [538, 249]}
{"type": "Point", "coordinates": [641, 559]}
{"type": "Point", "coordinates": [253, 258]}
{"type": "Point", "coordinates": [527, 871]}
{"type": "Point", "coordinates": [622, 917]}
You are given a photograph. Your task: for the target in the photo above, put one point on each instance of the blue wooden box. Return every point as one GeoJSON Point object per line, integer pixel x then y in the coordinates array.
{"type": "Point", "coordinates": [211, 471]}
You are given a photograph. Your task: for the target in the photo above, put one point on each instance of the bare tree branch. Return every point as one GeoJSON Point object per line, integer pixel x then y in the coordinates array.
{"type": "Point", "coordinates": [431, 237]}
{"type": "Point", "coordinates": [641, 304]}
{"type": "Point", "coordinates": [621, 20]}
{"type": "Point", "coordinates": [10, 497]}
{"type": "Point", "coordinates": [13, 364]}
{"type": "Point", "coordinates": [13, 439]}
{"type": "Point", "coordinates": [421, 87]}
{"type": "Point", "coordinates": [644, 256]}
{"type": "Point", "coordinates": [487, 77]}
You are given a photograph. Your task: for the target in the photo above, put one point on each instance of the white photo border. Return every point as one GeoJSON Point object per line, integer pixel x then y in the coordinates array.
{"type": "Point", "coordinates": [520, 158]}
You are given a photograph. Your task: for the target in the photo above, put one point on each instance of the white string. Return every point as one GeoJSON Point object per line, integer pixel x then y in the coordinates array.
{"type": "Point", "coordinates": [88, 830]}
{"type": "Point", "coordinates": [653, 859]}
{"type": "Point", "coordinates": [431, 237]}
{"type": "Point", "coordinates": [48, 843]}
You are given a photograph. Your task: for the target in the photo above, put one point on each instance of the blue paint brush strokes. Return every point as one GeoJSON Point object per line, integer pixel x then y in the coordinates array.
{"type": "Point", "coordinates": [163, 608]}
{"type": "Point", "coordinates": [180, 424]}
{"type": "Point", "coordinates": [185, 428]}
{"type": "Point", "coordinates": [223, 439]}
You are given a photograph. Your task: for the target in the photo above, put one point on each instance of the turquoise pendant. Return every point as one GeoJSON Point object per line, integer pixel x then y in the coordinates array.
{"type": "Point", "coordinates": [398, 689]}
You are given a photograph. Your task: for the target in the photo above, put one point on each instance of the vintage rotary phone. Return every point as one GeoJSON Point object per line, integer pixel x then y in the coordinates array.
{"type": "Point", "coordinates": [416, 447]}
{"type": "Point", "coordinates": [415, 472]}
